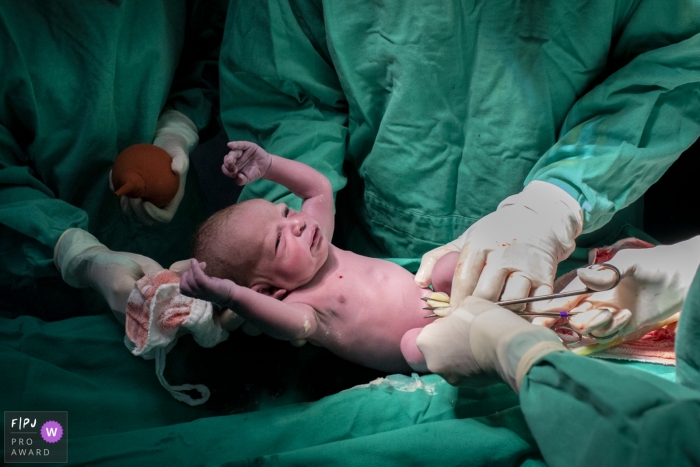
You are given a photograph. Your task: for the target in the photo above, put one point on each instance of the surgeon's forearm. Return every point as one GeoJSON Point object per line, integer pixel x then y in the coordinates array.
{"type": "Point", "coordinates": [273, 317]}
{"type": "Point", "coordinates": [34, 222]}
{"type": "Point", "coordinates": [620, 137]}
{"type": "Point", "coordinates": [583, 411]}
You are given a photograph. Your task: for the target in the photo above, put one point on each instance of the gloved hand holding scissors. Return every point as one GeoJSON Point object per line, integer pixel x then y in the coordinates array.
{"type": "Point", "coordinates": [653, 285]}
{"type": "Point", "coordinates": [514, 251]}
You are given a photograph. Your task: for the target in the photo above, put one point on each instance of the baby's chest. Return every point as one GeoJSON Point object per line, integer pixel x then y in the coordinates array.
{"type": "Point", "coordinates": [338, 302]}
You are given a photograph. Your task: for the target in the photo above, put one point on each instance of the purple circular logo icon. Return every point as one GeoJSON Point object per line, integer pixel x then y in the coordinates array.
{"type": "Point", "coordinates": [51, 431]}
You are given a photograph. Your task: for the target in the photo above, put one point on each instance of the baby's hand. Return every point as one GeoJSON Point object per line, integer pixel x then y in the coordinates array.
{"type": "Point", "coordinates": [245, 162]}
{"type": "Point", "coordinates": [194, 283]}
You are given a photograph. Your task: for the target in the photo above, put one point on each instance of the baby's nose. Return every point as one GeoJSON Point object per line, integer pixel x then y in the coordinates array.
{"type": "Point", "coordinates": [298, 225]}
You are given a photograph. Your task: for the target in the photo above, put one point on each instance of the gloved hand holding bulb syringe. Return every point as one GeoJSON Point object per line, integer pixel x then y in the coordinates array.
{"type": "Point", "coordinates": [84, 261]}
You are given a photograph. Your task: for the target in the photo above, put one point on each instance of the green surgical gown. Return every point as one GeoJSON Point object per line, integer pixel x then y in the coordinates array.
{"type": "Point", "coordinates": [434, 112]}
{"type": "Point", "coordinates": [80, 82]}
{"type": "Point", "coordinates": [584, 411]}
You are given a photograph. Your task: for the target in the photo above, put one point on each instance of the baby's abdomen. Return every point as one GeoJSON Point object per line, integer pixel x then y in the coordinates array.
{"type": "Point", "coordinates": [372, 337]}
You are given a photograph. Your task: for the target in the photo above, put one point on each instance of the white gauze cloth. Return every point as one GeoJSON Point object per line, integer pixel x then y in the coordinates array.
{"type": "Point", "coordinates": [157, 314]}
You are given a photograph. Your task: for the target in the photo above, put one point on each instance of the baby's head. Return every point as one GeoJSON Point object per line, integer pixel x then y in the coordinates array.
{"type": "Point", "coordinates": [266, 247]}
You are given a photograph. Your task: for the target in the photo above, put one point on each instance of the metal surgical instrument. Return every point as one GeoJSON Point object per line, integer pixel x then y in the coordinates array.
{"type": "Point", "coordinates": [566, 332]}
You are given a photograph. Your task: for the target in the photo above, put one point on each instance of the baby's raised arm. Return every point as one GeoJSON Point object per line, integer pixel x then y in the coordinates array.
{"type": "Point", "coordinates": [247, 162]}
{"type": "Point", "coordinates": [273, 317]}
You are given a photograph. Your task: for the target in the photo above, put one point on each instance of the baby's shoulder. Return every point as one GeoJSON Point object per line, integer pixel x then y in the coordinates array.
{"type": "Point", "coordinates": [301, 297]}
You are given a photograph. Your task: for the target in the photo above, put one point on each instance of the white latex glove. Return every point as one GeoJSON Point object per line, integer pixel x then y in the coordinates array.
{"type": "Point", "coordinates": [478, 337]}
{"type": "Point", "coordinates": [519, 246]}
{"type": "Point", "coordinates": [85, 262]}
{"type": "Point", "coordinates": [653, 287]}
{"type": "Point", "coordinates": [177, 135]}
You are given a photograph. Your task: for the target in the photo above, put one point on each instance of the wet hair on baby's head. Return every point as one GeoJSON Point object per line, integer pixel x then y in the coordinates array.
{"type": "Point", "coordinates": [215, 243]}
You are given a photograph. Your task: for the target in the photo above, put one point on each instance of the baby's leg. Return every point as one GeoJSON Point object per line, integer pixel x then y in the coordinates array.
{"type": "Point", "coordinates": [414, 357]}
{"type": "Point", "coordinates": [443, 271]}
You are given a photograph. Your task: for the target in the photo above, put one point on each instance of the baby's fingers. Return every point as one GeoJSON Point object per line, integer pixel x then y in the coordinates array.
{"type": "Point", "coordinates": [197, 272]}
{"type": "Point", "coordinates": [230, 172]}
{"type": "Point", "coordinates": [241, 179]}
{"type": "Point", "coordinates": [240, 145]}
{"type": "Point", "coordinates": [188, 285]}
{"type": "Point", "coordinates": [230, 165]}
{"type": "Point", "coordinates": [240, 153]}
{"type": "Point", "coordinates": [232, 157]}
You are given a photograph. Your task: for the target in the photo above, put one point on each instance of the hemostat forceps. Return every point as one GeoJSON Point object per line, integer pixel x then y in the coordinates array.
{"type": "Point", "coordinates": [566, 332]}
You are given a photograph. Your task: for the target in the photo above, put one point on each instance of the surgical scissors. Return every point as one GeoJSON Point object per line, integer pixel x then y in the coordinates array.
{"type": "Point", "coordinates": [566, 332]}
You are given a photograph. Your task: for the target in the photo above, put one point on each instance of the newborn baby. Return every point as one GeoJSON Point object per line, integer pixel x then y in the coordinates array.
{"type": "Point", "coordinates": [277, 268]}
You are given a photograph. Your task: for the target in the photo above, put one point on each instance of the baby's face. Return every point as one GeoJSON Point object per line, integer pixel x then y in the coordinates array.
{"type": "Point", "coordinates": [291, 245]}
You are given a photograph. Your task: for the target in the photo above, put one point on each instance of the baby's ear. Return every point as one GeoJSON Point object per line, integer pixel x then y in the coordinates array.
{"type": "Point", "coordinates": [269, 290]}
